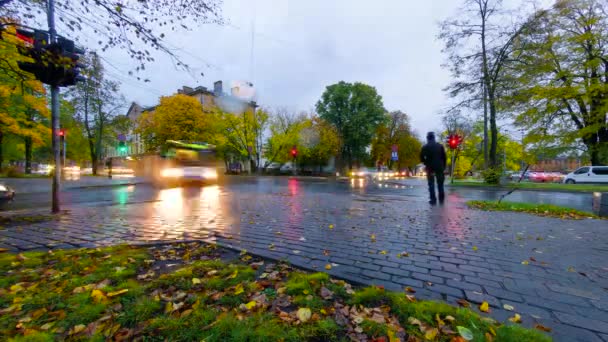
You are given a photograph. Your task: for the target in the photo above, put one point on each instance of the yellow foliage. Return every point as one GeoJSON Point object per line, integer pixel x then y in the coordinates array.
{"type": "Point", "coordinates": [21, 96]}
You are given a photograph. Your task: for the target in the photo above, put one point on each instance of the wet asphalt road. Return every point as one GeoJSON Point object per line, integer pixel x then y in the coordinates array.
{"type": "Point", "coordinates": [412, 188]}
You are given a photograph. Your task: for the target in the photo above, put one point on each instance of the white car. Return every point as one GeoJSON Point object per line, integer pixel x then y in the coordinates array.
{"type": "Point", "coordinates": [588, 174]}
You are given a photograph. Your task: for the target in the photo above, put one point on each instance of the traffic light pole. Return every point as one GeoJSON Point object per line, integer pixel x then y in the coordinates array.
{"type": "Point", "coordinates": [54, 115]}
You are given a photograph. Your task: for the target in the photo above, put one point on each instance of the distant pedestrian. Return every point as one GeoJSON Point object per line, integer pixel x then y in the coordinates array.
{"type": "Point", "coordinates": [109, 165]}
{"type": "Point", "coordinates": [434, 158]}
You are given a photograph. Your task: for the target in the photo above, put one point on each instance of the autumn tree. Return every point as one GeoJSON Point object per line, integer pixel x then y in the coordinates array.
{"type": "Point", "coordinates": [96, 101]}
{"type": "Point", "coordinates": [562, 99]}
{"type": "Point", "coordinates": [177, 117]}
{"type": "Point", "coordinates": [22, 101]}
{"type": "Point", "coordinates": [479, 43]}
{"type": "Point", "coordinates": [318, 143]}
{"type": "Point", "coordinates": [355, 110]}
{"type": "Point", "coordinates": [285, 129]}
{"type": "Point", "coordinates": [395, 130]}
{"type": "Point", "coordinates": [241, 133]}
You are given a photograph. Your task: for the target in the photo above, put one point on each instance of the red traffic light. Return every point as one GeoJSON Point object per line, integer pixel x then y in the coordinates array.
{"type": "Point", "coordinates": [454, 140]}
{"type": "Point", "coordinates": [61, 132]}
{"type": "Point", "coordinates": [294, 152]}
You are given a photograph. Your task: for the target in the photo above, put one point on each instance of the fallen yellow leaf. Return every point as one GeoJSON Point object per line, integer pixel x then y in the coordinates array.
{"type": "Point", "coordinates": [233, 275]}
{"type": "Point", "coordinates": [77, 329]}
{"type": "Point", "coordinates": [525, 262]}
{"type": "Point", "coordinates": [431, 334]}
{"type": "Point", "coordinates": [474, 248]}
{"type": "Point", "coordinates": [331, 226]}
{"type": "Point", "coordinates": [383, 252]}
{"type": "Point", "coordinates": [485, 307]}
{"type": "Point", "coordinates": [98, 296]}
{"type": "Point", "coordinates": [304, 314]}
{"type": "Point", "coordinates": [196, 281]}
{"type": "Point", "coordinates": [238, 289]}
{"type": "Point", "coordinates": [116, 293]}
{"type": "Point", "coordinates": [373, 237]}
{"type": "Point", "coordinates": [515, 319]}
{"type": "Point", "coordinates": [250, 305]}
{"type": "Point", "coordinates": [47, 326]}
{"type": "Point", "coordinates": [323, 311]}
{"type": "Point", "coordinates": [328, 267]}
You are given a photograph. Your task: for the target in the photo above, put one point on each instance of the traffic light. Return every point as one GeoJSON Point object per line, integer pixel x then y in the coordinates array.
{"type": "Point", "coordinates": [454, 140]}
{"type": "Point", "coordinates": [70, 66]}
{"type": "Point", "coordinates": [294, 152]}
{"type": "Point", "coordinates": [122, 147]}
{"type": "Point", "coordinates": [62, 132]}
{"type": "Point", "coordinates": [53, 64]}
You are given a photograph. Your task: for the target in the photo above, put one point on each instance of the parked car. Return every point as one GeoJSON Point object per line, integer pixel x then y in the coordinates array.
{"type": "Point", "coordinates": [588, 174]}
{"type": "Point", "coordinates": [43, 169]}
{"type": "Point", "coordinates": [515, 176]}
{"type": "Point", "coordinates": [7, 194]}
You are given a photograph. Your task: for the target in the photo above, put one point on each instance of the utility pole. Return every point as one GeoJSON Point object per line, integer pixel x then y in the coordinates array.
{"type": "Point", "coordinates": [54, 115]}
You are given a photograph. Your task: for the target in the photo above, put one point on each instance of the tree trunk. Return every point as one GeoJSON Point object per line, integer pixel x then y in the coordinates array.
{"type": "Point", "coordinates": [485, 126]}
{"type": "Point", "coordinates": [28, 155]}
{"type": "Point", "coordinates": [493, 132]}
{"type": "Point", "coordinates": [93, 156]}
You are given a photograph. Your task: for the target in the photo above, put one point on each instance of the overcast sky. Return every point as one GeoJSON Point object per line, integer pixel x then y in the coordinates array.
{"type": "Point", "coordinates": [303, 46]}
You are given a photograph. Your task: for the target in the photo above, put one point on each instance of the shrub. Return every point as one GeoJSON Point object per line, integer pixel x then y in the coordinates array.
{"type": "Point", "coordinates": [491, 176]}
{"type": "Point", "coordinates": [13, 172]}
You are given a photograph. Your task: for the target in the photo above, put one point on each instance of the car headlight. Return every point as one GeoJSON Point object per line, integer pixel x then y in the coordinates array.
{"type": "Point", "coordinates": [3, 188]}
{"type": "Point", "coordinates": [210, 174]}
{"type": "Point", "coordinates": [172, 173]}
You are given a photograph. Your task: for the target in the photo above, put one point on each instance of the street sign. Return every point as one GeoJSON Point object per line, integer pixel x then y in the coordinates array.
{"type": "Point", "coordinates": [394, 148]}
{"type": "Point", "coordinates": [394, 156]}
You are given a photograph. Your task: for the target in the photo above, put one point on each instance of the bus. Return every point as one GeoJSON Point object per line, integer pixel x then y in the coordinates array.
{"type": "Point", "coordinates": [179, 162]}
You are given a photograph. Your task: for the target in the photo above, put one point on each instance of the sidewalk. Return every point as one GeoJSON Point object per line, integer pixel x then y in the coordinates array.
{"type": "Point", "coordinates": [42, 185]}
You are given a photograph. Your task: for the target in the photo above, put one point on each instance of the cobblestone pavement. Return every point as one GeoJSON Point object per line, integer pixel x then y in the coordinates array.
{"type": "Point", "coordinates": [552, 272]}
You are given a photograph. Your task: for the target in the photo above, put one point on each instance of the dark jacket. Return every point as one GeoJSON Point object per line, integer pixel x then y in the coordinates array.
{"type": "Point", "coordinates": [433, 156]}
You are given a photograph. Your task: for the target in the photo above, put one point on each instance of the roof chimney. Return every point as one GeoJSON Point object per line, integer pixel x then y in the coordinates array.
{"type": "Point", "coordinates": [217, 87]}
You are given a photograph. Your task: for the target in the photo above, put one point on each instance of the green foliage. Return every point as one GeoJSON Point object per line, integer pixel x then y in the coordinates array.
{"type": "Point", "coordinates": [562, 79]}
{"type": "Point", "coordinates": [491, 176]}
{"type": "Point", "coordinates": [95, 102]}
{"type": "Point", "coordinates": [302, 283]}
{"type": "Point", "coordinates": [355, 110]}
{"type": "Point", "coordinates": [370, 296]}
{"type": "Point", "coordinates": [532, 208]}
{"type": "Point", "coordinates": [374, 329]}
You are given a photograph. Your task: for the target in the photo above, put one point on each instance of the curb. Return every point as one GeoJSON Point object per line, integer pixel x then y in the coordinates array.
{"type": "Point", "coordinates": [503, 188]}
{"type": "Point", "coordinates": [92, 186]}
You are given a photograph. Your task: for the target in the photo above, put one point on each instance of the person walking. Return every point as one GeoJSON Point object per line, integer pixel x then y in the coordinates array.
{"type": "Point", "coordinates": [435, 160]}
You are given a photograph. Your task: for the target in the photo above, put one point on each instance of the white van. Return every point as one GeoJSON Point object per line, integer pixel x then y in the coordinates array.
{"type": "Point", "coordinates": [588, 174]}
